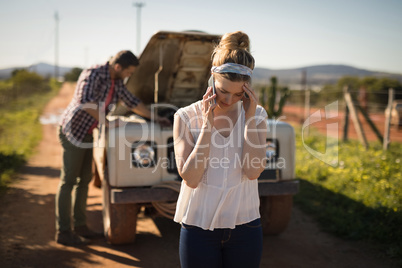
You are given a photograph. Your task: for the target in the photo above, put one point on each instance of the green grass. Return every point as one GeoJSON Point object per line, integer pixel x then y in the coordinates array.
{"type": "Point", "coordinates": [20, 130]}
{"type": "Point", "coordinates": [360, 198]}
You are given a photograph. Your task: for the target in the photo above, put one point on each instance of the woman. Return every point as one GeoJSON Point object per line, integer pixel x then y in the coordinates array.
{"type": "Point", "coordinates": [220, 152]}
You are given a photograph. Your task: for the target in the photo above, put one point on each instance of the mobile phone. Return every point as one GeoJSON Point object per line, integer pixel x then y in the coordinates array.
{"type": "Point", "coordinates": [211, 83]}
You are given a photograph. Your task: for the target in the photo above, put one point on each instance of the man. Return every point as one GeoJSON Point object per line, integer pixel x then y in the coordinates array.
{"type": "Point", "coordinates": [97, 88]}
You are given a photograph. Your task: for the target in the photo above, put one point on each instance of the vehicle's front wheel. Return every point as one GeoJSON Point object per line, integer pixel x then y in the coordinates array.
{"type": "Point", "coordinates": [119, 220]}
{"type": "Point", "coordinates": [275, 213]}
{"type": "Point", "coordinates": [95, 175]}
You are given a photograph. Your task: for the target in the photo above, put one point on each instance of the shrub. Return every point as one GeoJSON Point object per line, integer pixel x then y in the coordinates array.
{"type": "Point", "coordinates": [20, 130]}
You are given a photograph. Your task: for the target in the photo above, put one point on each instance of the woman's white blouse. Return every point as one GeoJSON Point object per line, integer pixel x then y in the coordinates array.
{"type": "Point", "coordinates": [225, 197]}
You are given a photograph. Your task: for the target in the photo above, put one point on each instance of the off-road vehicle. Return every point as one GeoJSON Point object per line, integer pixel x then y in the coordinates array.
{"type": "Point", "coordinates": [135, 162]}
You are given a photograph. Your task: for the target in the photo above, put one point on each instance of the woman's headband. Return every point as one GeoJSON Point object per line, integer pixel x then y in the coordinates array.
{"type": "Point", "coordinates": [232, 68]}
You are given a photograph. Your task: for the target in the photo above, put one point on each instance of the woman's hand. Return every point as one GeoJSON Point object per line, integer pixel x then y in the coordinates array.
{"type": "Point", "coordinates": [250, 102]}
{"type": "Point", "coordinates": [208, 107]}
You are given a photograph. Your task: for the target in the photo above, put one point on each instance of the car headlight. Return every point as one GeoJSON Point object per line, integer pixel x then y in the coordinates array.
{"type": "Point", "coordinates": [143, 155]}
{"type": "Point", "coordinates": [271, 150]}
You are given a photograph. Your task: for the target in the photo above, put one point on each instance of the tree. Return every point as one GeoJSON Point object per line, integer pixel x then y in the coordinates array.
{"type": "Point", "coordinates": [73, 75]}
{"type": "Point", "coordinates": [16, 71]}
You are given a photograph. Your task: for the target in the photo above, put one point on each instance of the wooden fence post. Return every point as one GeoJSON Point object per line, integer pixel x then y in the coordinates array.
{"type": "Point", "coordinates": [307, 109]}
{"type": "Point", "coordinates": [346, 118]}
{"type": "Point", "coordinates": [355, 119]}
{"type": "Point", "coordinates": [371, 124]}
{"type": "Point", "coordinates": [388, 119]}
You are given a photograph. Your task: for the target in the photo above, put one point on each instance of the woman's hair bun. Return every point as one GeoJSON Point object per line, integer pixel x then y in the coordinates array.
{"type": "Point", "coordinates": [233, 47]}
{"type": "Point", "coordinates": [234, 41]}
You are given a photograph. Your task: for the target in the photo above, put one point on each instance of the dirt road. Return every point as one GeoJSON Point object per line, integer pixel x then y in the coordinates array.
{"type": "Point", "coordinates": [27, 226]}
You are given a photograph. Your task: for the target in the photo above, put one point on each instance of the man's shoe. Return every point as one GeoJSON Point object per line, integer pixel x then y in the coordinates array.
{"type": "Point", "coordinates": [68, 238]}
{"type": "Point", "coordinates": [84, 231]}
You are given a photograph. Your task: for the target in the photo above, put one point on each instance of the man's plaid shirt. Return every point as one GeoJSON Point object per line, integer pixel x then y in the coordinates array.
{"type": "Point", "coordinates": [93, 85]}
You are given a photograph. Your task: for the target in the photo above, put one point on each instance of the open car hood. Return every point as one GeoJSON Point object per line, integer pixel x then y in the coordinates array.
{"type": "Point", "coordinates": [177, 65]}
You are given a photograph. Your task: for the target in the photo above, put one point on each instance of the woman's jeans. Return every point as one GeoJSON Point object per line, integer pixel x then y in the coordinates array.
{"type": "Point", "coordinates": [76, 173]}
{"type": "Point", "coordinates": [239, 247]}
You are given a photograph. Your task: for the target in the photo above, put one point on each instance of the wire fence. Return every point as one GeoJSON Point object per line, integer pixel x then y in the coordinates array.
{"type": "Point", "coordinates": [372, 102]}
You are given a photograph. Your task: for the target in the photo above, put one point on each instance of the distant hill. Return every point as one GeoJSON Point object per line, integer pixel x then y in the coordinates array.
{"type": "Point", "coordinates": [41, 68]}
{"type": "Point", "coordinates": [315, 75]}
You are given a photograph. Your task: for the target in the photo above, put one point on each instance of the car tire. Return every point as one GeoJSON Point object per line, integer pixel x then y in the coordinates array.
{"type": "Point", "coordinates": [119, 220]}
{"type": "Point", "coordinates": [275, 213]}
{"type": "Point", "coordinates": [95, 175]}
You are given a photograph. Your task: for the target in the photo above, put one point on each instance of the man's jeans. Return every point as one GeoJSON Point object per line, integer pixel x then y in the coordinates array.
{"type": "Point", "coordinates": [239, 247]}
{"type": "Point", "coordinates": [76, 173]}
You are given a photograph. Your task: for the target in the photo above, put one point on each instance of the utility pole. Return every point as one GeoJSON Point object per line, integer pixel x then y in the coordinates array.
{"type": "Point", "coordinates": [56, 47]}
{"type": "Point", "coordinates": [138, 5]}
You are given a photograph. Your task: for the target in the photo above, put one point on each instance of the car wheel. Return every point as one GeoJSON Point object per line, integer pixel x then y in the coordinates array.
{"type": "Point", "coordinates": [95, 175]}
{"type": "Point", "coordinates": [275, 213]}
{"type": "Point", "coordinates": [119, 220]}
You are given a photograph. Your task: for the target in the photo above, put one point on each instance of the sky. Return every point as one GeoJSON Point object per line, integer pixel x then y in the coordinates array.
{"type": "Point", "coordinates": [284, 33]}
